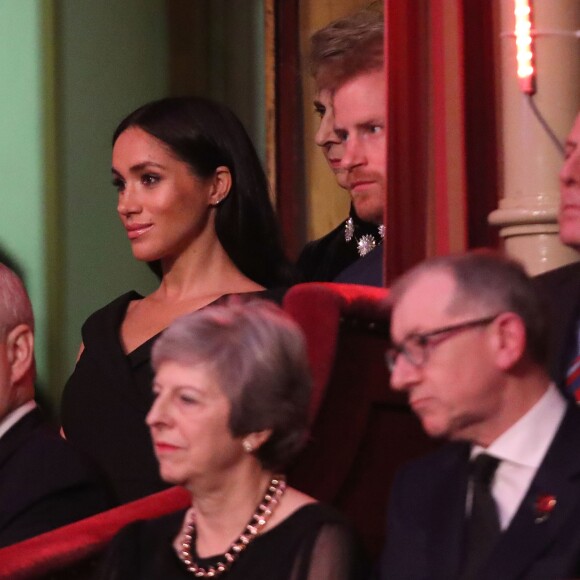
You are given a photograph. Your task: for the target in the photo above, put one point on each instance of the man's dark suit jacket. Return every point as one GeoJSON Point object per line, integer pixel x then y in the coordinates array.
{"type": "Point", "coordinates": [367, 270]}
{"type": "Point", "coordinates": [44, 483]}
{"type": "Point", "coordinates": [560, 289]}
{"type": "Point", "coordinates": [326, 259]}
{"type": "Point", "coordinates": [427, 512]}
{"type": "Point", "coordinates": [323, 259]}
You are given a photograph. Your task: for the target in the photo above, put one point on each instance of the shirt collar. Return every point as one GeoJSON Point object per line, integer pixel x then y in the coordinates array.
{"type": "Point", "coordinates": [14, 416]}
{"type": "Point", "coordinates": [526, 441]}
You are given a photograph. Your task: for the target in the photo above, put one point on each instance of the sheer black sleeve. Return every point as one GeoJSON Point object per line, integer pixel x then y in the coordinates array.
{"type": "Point", "coordinates": [334, 554]}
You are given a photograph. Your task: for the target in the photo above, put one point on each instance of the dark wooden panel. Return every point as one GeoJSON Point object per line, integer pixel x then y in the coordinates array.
{"type": "Point", "coordinates": [480, 121]}
{"type": "Point", "coordinates": [187, 24]}
{"type": "Point", "coordinates": [289, 133]}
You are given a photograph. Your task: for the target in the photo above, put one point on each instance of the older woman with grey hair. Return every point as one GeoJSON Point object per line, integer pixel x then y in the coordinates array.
{"type": "Point", "coordinates": [232, 389]}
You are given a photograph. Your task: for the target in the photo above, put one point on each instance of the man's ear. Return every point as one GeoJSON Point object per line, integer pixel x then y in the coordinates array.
{"type": "Point", "coordinates": [509, 340]}
{"type": "Point", "coordinates": [221, 185]}
{"type": "Point", "coordinates": [20, 352]}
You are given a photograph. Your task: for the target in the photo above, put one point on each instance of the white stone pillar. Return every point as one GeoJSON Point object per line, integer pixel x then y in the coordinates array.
{"type": "Point", "coordinates": [529, 160]}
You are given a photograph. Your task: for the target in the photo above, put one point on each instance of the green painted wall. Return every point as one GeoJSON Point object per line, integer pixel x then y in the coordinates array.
{"type": "Point", "coordinates": [22, 227]}
{"type": "Point", "coordinates": [236, 63]}
{"type": "Point", "coordinates": [112, 58]}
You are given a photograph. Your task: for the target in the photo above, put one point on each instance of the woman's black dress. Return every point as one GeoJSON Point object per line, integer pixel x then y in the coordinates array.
{"type": "Point", "coordinates": [106, 400]}
{"type": "Point", "coordinates": [314, 543]}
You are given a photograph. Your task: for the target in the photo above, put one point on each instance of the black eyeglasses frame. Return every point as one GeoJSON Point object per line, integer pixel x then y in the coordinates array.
{"type": "Point", "coordinates": [423, 341]}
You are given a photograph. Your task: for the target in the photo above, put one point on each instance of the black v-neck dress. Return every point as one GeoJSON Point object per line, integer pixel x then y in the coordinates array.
{"type": "Point", "coordinates": [105, 402]}
{"type": "Point", "coordinates": [107, 397]}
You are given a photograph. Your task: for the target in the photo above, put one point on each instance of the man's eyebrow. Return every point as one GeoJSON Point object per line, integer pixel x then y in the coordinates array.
{"type": "Point", "coordinates": [371, 121]}
{"type": "Point", "coordinates": [366, 123]}
{"type": "Point", "coordinates": [414, 331]}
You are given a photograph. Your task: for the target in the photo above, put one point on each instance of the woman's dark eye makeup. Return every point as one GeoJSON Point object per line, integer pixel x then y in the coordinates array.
{"type": "Point", "coordinates": [118, 183]}
{"type": "Point", "coordinates": [149, 179]}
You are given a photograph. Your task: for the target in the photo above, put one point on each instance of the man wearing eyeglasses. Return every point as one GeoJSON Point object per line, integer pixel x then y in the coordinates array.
{"type": "Point", "coordinates": [502, 498]}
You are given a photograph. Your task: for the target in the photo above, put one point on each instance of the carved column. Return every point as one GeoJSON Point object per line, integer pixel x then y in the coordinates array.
{"type": "Point", "coordinates": [530, 160]}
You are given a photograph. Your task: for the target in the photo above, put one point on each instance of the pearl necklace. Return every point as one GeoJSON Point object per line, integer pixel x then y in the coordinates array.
{"type": "Point", "coordinates": [366, 242]}
{"type": "Point", "coordinates": [266, 507]}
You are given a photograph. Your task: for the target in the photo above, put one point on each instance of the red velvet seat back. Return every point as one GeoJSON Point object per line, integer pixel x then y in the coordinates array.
{"type": "Point", "coordinates": [68, 552]}
{"type": "Point", "coordinates": [362, 431]}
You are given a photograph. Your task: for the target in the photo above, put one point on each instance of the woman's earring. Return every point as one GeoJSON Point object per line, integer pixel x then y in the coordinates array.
{"type": "Point", "coordinates": [248, 447]}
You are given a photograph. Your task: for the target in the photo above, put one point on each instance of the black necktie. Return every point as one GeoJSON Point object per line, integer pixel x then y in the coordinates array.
{"type": "Point", "coordinates": [482, 529]}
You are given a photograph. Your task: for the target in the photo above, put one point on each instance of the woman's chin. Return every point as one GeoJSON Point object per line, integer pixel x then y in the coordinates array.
{"type": "Point", "coordinates": [142, 256]}
{"type": "Point", "coordinates": [172, 478]}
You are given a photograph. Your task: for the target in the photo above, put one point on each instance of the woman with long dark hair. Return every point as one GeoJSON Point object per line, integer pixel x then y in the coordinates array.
{"type": "Point", "coordinates": [194, 201]}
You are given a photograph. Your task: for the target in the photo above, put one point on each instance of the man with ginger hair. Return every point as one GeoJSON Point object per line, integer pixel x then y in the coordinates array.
{"type": "Point", "coordinates": [44, 483]}
{"type": "Point", "coordinates": [344, 56]}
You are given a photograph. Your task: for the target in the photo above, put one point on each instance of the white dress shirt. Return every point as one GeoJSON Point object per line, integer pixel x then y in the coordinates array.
{"type": "Point", "coordinates": [13, 417]}
{"type": "Point", "coordinates": [521, 450]}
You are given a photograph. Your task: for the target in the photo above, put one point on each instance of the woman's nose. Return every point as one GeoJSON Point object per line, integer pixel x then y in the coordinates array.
{"type": "Point", "coordinates": [128, 203]}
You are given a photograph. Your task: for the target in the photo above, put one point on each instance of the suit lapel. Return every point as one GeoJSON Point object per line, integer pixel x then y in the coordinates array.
{"type": "Point", "coordinates": [19, 432]}
{"type": "Point", "coordinates": [561, 289]}
{"type": "Point", "coordinates": [568, 317]}
{"type": "Point", "coordinates": [445, 531]}
{"type": "Point", "coordinates": [559, 475]}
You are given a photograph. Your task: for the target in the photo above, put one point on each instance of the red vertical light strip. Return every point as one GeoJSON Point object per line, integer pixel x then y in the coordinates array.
{"type": "Point", "coordinates": [289, 120]}
{"type": "Point", "coordinates": [524, 46]}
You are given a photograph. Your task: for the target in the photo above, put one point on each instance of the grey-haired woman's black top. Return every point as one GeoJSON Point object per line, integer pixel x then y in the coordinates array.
{"type": "Point", "coordinates": [314, 543]}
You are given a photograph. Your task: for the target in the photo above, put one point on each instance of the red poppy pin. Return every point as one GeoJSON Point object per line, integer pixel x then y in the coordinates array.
{"type": "Point", "coordinates": [545, 504]}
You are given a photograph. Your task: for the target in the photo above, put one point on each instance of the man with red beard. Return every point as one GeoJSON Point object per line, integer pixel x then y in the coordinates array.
{"type": "Point", "coordinates": [347, 63]}
{"type": "Point", "coordinates": [561, 287]}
